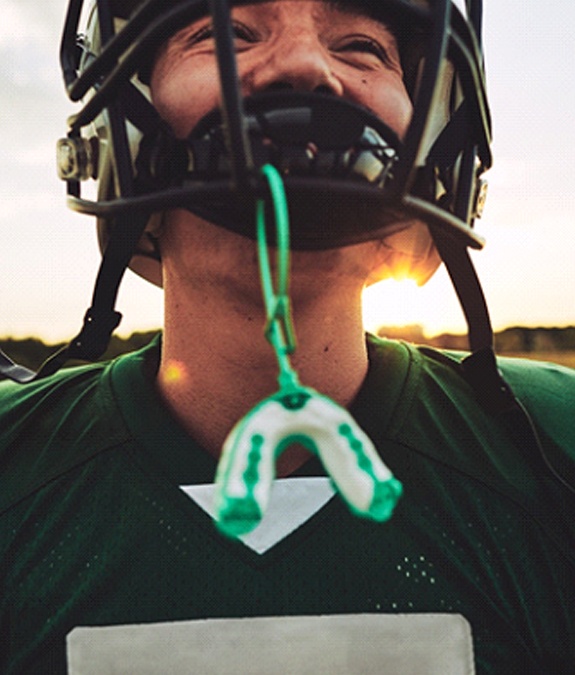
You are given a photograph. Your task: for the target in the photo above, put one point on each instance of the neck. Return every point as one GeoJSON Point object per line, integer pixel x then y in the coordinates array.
{"type": "Point", "coordinates": [216, 363]}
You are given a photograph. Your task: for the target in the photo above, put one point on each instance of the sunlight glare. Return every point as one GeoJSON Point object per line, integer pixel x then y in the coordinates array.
{"type": "Point", "coordinates": [434, 306]}
{"type": "Point", "coordinates": [391, 303]}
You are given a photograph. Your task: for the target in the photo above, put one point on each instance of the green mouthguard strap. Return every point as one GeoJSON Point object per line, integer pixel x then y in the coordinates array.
{"type": "Point", "coordinates": [279, 327]}
{"type": "Point", "coordinates": [294, 414]}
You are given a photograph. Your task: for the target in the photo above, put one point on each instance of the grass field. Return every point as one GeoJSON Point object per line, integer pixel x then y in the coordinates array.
{"type": "Point", "coordinates": [563, 358]}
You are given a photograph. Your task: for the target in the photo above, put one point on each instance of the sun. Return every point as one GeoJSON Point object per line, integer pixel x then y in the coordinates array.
{"type": "Point", "coordinates": [434, 306]}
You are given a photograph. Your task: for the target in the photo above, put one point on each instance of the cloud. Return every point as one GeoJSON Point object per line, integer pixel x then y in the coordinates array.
{"type": "Point", "coordinates": [34, 104]}
{"type": "Point", "coordinates": [30, 22]}
{"type": "Point", "coordinates": [29, 38]}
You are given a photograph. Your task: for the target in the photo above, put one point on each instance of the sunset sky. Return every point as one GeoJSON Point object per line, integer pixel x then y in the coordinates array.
{"type": "Point", "coordinates": [49, 255]}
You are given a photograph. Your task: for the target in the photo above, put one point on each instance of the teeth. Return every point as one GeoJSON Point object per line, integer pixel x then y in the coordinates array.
{"type": "Point", "coordinates": [367, 166]}
{"type": "Point", "coordinates": [371, 160]}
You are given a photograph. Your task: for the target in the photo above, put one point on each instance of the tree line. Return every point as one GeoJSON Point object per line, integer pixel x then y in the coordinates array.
{"type": "Point", "coordinates": [517, 339]}
{"type": "Point", "coordinates": [32, 352]}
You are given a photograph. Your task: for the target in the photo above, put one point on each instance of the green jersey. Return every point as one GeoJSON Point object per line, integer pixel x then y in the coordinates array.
{"type": "Point", "coordinates": [97, 526]}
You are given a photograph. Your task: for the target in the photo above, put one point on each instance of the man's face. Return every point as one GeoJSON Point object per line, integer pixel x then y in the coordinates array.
{"type": "Point", "coordinates": [303, 45]}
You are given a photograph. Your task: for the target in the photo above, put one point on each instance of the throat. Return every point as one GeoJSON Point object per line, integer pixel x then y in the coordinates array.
{"type": "Point", "coordinates": [212, 381]}
{"type": "Point", "coordinates": [210, 395]}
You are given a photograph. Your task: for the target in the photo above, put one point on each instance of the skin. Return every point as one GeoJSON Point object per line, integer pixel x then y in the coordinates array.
{"type": "Point", "coordinates": [349, 55]}
{"type": "Point", "coordinates": [216, 363]}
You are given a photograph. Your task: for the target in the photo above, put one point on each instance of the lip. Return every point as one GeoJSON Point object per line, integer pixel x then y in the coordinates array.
{"type": "Point", "coordinates": [306, 134]}
{"type": "Point", "coordinates": [336, 159]}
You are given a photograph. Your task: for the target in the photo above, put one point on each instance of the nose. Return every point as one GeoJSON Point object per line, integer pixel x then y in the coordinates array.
{"type": "Point", "coordinates": [298, 63]}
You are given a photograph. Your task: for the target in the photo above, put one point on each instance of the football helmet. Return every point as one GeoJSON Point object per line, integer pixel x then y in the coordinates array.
{"type": "Point", "coordinates": [345, 171]}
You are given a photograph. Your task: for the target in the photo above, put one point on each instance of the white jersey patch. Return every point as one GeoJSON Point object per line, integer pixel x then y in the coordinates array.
{"type": "Point", "coordinates": [293, 502]}
{"type": "Point", "coordinates": [370, 644]}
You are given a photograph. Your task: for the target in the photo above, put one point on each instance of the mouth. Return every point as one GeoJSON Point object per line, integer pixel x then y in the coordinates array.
{"type": "Point", "coordinates": [337, 161]}
{"type": "Point", "coordinates": [310, 135]}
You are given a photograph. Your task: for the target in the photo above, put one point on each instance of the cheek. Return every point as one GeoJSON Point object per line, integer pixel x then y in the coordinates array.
{"type": "Point", "coordinates": [182, 96]}
{"type": "Point", "coordinates": [388, 99]}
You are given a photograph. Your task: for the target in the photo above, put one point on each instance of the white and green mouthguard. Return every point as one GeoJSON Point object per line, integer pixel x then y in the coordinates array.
{"type": "Point", "coordinates": [294, 414]}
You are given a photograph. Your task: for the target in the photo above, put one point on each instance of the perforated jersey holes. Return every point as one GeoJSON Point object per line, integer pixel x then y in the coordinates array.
{"type": "Point", "coordinates": [417, 569]}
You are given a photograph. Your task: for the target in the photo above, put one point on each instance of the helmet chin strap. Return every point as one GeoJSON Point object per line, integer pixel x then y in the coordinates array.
{"type": "Point", "coordinates": [101, 319]}
{"type": "Point", "coordinates": [295, 414]}
{"type": "Point", "coordinates": [480, 368]}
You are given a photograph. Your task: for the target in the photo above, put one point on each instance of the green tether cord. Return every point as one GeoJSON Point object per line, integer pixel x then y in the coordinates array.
{"type": "Point", "coordinates": [294, 414]}
{"type": "Point", "coordinates": [279, 328]}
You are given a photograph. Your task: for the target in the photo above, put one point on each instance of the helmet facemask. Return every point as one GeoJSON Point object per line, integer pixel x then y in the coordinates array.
{"type": "Point", "coordinates": [425, 183]}
{"type": "Point", "coordinates": [425, 188]}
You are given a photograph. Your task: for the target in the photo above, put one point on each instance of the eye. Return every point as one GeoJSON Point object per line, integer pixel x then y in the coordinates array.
{"type": "Point", "coordinates": [363, 45]}
{"type": "Point", "coordinates": [242, 33]}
